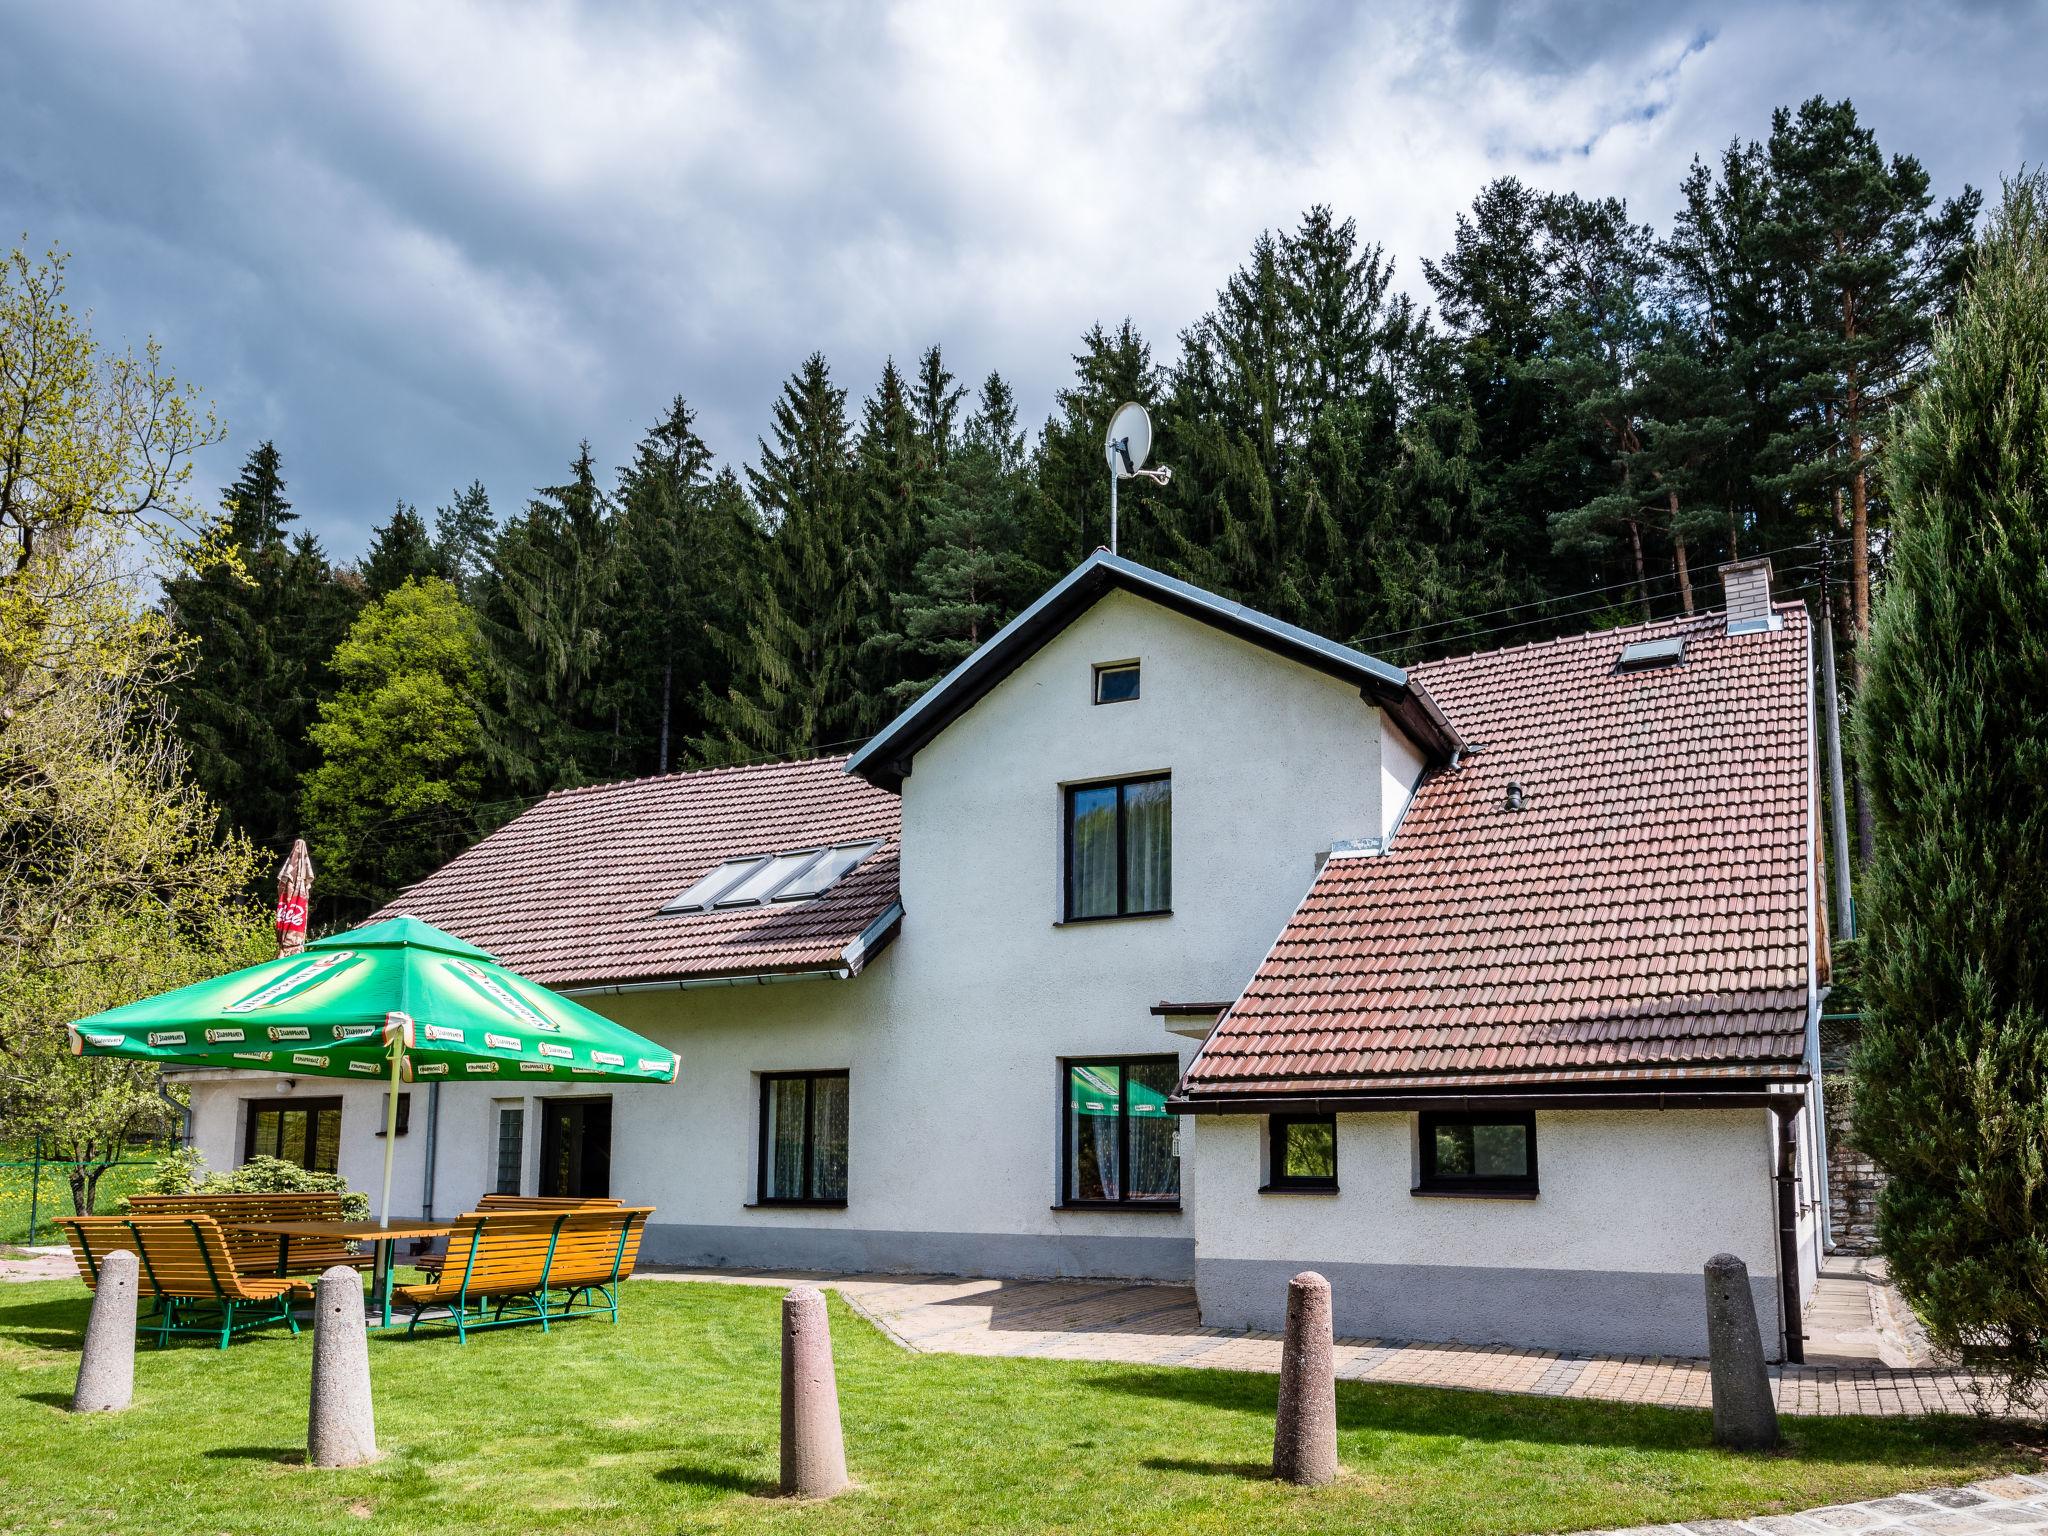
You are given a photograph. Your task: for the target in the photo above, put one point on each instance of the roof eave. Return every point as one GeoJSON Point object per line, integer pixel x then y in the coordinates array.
{"type": "Point", "coordinates": [1749, 1093]}
{"type": "Point", "coordinates": [885, 760]}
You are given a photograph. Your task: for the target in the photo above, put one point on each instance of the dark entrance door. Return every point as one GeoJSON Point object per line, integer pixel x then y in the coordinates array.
{"type": "Point", "coordinates": [576, 1147]}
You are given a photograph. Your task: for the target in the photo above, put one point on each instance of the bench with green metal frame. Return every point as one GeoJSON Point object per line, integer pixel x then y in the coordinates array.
{"type": "Point", "coordinates": [531, 1267]}
{"type": "Point", "coordinates": [188, 1270]}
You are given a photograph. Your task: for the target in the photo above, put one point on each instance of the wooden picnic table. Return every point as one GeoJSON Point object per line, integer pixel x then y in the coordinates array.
{"type": "Point", "coordinates": [380, 1235]}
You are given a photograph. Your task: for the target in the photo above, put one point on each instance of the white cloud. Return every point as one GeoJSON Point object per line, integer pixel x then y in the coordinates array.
{"type": "Point", "coordinates": [421, 244]}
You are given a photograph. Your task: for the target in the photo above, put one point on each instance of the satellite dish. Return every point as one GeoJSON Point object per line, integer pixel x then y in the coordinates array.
{"type": "Point", "coordinates": [1130, 440]}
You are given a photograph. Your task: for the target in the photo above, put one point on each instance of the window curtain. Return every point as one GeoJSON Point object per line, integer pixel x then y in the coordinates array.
{"type": "Point", "coordinates": [1155, 1135]}
{"type": "Point", "coordinates": [1092, 870]}
{"type": "Point", "coordinates": [786, 1139]}
{"type": "Point", "coordinates": [828, 1138]}
{"type": "Point", "coordinates": [1148, 841]}
{"type": "Point", "coordinates": [1093, 1094]}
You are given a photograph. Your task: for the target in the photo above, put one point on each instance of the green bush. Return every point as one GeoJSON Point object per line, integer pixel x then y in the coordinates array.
{"type": "Point", "coordinates": [181, 1173]}
{"type": "Point", "coordinates": [1952, 730]}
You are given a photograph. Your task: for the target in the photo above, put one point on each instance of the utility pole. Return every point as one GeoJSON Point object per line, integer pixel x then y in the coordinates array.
{"type": "Point", "coordinates": [1845, 902]}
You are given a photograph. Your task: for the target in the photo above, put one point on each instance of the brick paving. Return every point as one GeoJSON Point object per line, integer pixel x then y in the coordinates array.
{"type": "Point", "coordinates": [1134, 1323]}
{"type": "Point", "coordinates": [2003, 1504]}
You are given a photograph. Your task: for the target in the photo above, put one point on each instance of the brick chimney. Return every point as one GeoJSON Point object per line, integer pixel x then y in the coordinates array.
{"type": "Point", "coordinates": [1747, 585]}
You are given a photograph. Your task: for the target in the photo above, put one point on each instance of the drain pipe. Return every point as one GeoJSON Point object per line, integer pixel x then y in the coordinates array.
{"type": "Point", "coordinates": [1787, 1180]}
{"type": "Point", "coordinates": [433, 1129]}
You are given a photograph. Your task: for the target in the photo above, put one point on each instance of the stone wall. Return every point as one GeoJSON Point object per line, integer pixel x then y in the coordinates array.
{"type": "Point", "coordinates": [1853, 1179]}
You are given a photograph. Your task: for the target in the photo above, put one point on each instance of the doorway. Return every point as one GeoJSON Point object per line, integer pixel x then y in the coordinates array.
{"type": "Point", "coordinates": [576, 1148]}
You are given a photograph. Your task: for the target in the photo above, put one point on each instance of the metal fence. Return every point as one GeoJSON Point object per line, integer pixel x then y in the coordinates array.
{"type": "Point", "coordinates": [35, 1189]}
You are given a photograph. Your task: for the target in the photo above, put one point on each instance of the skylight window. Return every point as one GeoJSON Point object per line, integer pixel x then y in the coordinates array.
{"type": "Point", "coordinates": [1651, 653]}
{"type": "Point", "coordinates": [760, 878]}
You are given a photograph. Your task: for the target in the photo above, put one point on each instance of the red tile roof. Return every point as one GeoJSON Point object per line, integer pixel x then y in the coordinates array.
{"type": "Point", "coordinates": [1643, 920]}
{"type": "Point", "coordinates": [570, 892]}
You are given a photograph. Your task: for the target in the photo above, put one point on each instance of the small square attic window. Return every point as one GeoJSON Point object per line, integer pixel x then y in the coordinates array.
{"type": "Point", "coordinates": [1116, 682]}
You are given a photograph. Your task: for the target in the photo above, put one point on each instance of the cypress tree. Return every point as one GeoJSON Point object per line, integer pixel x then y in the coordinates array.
{"type": "Point", "coordinates": [1952, 732]}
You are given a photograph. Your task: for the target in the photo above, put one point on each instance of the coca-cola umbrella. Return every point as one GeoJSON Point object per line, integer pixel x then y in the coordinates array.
{"type": "Point", "coordinates": [399, 997]}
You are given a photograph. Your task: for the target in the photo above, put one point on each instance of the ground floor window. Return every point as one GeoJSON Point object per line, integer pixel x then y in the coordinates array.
{"type": "Point", "coordinates": [1302, 1152]}
{"type": "Point", "coordinates": [1122, 1147]}
{"type": "Point", "coordinates": [1478, 1154]}
{"type": "Point", "coordinates": [576, 1148]}
{"type": "Point", "coordinates": [511, 1148]}
{"type": "Point", "coordinates": [304, 1131]}
{"type": "Point", "coordinates": [803, 1139]}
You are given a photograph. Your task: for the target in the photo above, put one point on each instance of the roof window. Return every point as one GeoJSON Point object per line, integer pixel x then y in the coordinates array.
{"type": "Point", "coordinates": [1641, 655]}
{"type": "Point", "coordinates": [762, 878]}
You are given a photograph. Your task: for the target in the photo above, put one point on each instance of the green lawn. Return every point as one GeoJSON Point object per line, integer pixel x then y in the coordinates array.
{"type": "Point", "coordinates": [667, 1422]}
{"type": "Point", "coordinates": [53, 1193]}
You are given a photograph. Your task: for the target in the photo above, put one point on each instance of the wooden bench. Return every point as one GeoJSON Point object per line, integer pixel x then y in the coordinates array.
{"type": "Point", "coordinates": [258, 1253]}
{"type": "Point", "coordinates": [187, 1266]}
{"type": "Point", "coordinates": [531, 1266]}
{"type": "Point", "coordinates": [435, 1254]}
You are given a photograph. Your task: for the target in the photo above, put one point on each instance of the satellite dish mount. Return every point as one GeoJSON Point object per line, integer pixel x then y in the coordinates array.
{"type": "Point", "coordinates": [1127, 446]}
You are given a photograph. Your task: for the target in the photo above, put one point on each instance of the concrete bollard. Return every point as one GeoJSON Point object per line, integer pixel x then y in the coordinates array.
{"type": "Point", "coordinates": [1745, 1414]}
{"type": "Point", "coordinates": [1305, 1429]}
{"type": "Point", "coordinates": [106, 1366]}
{"type": "Point", "coordinates": [813, 1450]}
{"type": "Point", "coordinates": [341, 1426]}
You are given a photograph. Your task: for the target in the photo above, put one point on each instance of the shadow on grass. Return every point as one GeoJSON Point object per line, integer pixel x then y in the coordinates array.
{"type": "Point", "coordinates": [281, 1455]}
{"type": "Point", "coordinates": [1259, 1470]}
{"type": "Point", "coordinates": [53, 1325]}
{"type": "Point", "coordinates": [1445, 1413]}
{"type": "Point", "coordinates": [49, 1399]}
{"type": "Point", "coordinates": [718, 1477]}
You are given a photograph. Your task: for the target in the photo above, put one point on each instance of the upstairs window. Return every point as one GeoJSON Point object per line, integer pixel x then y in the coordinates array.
{"type": "Point", "coordinates": [1120, 848]}
{"type": "Point", "coordinates": [1116, 682]}
{"type": "Point", "coordinates": [762, 878]}
{"type": "Point", "coordinates": [1478, 1154]}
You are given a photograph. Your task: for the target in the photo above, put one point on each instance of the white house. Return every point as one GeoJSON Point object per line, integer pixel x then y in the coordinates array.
{"type": "Point", "coordinates": [1165, 940]}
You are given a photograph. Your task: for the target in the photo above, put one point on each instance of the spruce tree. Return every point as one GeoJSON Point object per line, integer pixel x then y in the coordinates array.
{"type": "Point", "coordinates": [1952, 731]}
{"type": "Point", "coordinates": [684, 537]}
{"type": "Point", "coordinates": [548, 641]}
{"type": "Point", "coordinates": [258, 639]}
{"type": "Point", "coordinates": [401, 551]}
{"type": "Point", "coordinates": [972, 573]}
{"type": "Point", "coordinates": [463, 531]}
{"type": "Point", "coordinates": [1067, 515]}
{"type": "Point", "coordinates": [795, 645]}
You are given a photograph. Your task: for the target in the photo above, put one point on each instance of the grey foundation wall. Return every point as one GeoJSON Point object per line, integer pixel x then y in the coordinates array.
{"type": "Point", "coordinates": [1573, 1310]}
{"type": "Point", "coordinates": [840, 1249]}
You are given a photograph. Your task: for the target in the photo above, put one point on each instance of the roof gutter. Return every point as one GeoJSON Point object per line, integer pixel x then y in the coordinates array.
{"type": "Point", "coordinates": [692, 983]}
{"type": "Point", "coordinates": [1366, 1104]}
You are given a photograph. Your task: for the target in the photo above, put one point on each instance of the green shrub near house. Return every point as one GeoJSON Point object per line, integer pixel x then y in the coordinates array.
{"type": "Point", "coordinates": [183, 1173]}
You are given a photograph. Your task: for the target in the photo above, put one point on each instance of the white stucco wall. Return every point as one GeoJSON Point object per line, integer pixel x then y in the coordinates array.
{"type": "Point", "coordinates": [953, 1036]}
{"type": "Point", "coordinates": [1607, 1256]}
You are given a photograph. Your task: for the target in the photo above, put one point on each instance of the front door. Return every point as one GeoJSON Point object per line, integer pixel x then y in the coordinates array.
{"type": "Point", "coordinates": [576, 1147]}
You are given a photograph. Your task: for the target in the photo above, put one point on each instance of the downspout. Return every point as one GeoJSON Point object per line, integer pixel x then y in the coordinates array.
{"type": "Point", "coordinates": [1816, 994]}
{"type": "Point", "coordinates": [1787, 1180]}
{"type": "Point", "coordinates": [163, 1091]}
{"type": "Point", "coordinates": [433, 1128]}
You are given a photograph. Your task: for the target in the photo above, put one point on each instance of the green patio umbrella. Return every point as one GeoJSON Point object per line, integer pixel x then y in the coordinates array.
{"type": "Point", "coordinates": [398, 997]}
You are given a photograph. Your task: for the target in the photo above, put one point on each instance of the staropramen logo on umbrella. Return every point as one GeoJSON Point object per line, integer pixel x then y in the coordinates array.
{"type": "Point", "coordinates": [294, 982]}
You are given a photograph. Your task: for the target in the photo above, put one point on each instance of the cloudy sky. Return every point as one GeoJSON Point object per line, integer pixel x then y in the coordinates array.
{"type": "Point", "coordinates": [417, 244]}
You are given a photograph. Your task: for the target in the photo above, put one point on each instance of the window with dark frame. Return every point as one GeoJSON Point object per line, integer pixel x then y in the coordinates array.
{"type": "Point", "coordinates": [1116, 682]}
{"type": "Point", "coordinates": [511, 1147]}
{"type": "Point", "coordinates": [803, 1138]}
{"type": "Point", "coordinates": [404, 1113]}
{"type": "Point", "coordinates": [1122, 1148]}
{"type": "Point", "coordinates": [1478, 1154]}
{"type": "Point", "coordinates": [302, 1131]}
{"type": "Point", "coordinates": [1302, 1152]}
{"type": "Point", "coordinates": [1119, 848]}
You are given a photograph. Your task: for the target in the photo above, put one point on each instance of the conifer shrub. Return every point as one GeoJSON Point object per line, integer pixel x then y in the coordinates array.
{"type": "Point", "coordinates": [1952, 727]}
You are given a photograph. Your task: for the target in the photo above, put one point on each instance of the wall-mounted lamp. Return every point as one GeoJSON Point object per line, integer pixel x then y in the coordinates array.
{"type": "Point", "coordinates": [287, 1084]}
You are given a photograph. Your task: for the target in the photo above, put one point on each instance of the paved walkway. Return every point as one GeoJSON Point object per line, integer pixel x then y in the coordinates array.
{"type": "Point", "coordinates": [2004, 1504]}
{"type": "Point", "coordinates": [1858, 1360]}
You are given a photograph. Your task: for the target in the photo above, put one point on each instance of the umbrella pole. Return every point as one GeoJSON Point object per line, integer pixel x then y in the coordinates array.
{"type": "Point", "coordinates": [390, 1130]}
